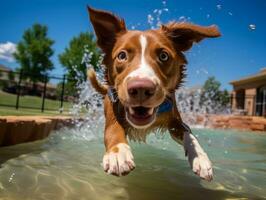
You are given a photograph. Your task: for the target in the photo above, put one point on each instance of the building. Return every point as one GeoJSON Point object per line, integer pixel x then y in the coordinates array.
{"type": "Point", "coordinates": [9, 80]}
{"type": "Point", "coordinates": [4, 71]}
{"type": "Point", "coordinates": [249, 94]}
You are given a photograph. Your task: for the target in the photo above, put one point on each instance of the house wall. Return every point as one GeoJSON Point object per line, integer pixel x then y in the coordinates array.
{"type": "Point", "coordinates": [250, 96]}
{"type": "Point", "coordinates": [249, 85]}
{"type": "Point", "coordinates": [250, 101]}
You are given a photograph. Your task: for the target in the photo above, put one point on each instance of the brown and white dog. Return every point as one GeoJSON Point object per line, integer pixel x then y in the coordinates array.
{"type": "Point", "coordinates": [143, 70]}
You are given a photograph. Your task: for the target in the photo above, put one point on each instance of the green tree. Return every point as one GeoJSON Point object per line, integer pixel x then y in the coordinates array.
{"type": "Point", "coordinates": [210, 90]}
{"type": "Point", "coordinates": [212, 97]}
{"type": "Point", "coordinates": [224, 98]}
{"type": "Point", "coordinates": [73, 57]}
{"type": "Point", "coordinates": [34, 52]}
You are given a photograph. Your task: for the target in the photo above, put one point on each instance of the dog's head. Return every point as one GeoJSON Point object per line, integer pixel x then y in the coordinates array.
{"type": "Point", "coordinates": [144, 67]}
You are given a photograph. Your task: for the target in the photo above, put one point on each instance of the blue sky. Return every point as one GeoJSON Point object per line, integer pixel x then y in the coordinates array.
{"type": "Point", "coordinates": [239, 52]}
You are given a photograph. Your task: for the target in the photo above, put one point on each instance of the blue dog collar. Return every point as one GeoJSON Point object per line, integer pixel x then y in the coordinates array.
{"type": "Point", "coordinates": [166, 106]}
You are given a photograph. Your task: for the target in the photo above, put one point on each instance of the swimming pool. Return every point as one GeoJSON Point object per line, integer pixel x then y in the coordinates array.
{"type": "Point", "coordinates": [67, 165]}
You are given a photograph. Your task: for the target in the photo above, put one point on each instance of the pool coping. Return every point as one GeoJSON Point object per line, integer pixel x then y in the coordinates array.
{"type": "Point", "coordinates": [21, 129]}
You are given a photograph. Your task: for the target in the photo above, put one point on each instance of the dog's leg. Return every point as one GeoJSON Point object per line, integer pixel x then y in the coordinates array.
{"type": "Point", "coordinates": [118, 159]}
{"type": "Point", "coordinates": [198, 159]}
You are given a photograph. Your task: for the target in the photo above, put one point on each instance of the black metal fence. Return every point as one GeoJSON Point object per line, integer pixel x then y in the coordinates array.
{"type": "Point", "coordinates": [21, 89]}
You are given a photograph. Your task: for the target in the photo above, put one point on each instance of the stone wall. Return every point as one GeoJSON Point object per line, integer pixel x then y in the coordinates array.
{"type": "Point", "coordinates": [20, 129]}
{"type": "Point", "coordinates": [237, 122]}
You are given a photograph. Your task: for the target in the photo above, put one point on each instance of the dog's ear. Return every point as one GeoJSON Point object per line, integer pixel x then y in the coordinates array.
{"type": "Point", "coordinates": [106, 27]}
{"type": "Point", "coordinates": [184, 35]}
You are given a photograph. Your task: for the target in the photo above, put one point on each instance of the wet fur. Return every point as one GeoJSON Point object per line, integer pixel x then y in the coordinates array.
{"type": "Point", "coordinates": [99, 87]}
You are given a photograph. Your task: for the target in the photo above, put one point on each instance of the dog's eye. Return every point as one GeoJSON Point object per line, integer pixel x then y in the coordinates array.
{"type": "Point", "coordinates": [163, 56]}
{"type": "Point", "coordinates": [122, 56]}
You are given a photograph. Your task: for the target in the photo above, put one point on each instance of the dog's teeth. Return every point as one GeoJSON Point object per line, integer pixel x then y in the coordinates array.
{"type": "Point", "coordinates": [131, 111]}
{"type": "Point", "coordinates": [150, 112]}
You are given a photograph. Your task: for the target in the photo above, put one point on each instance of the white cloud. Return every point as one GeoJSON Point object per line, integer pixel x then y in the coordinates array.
{"type": "Point", "coordinates": [6, 51]}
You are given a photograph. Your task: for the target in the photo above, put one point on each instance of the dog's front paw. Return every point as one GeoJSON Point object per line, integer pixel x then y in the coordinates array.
{"type": "Point", "coordinates": [118, 160]}
{"type": "Point", "coordinates": [201, 165]}
{"type": "Point", "coordinates": [198, 159]}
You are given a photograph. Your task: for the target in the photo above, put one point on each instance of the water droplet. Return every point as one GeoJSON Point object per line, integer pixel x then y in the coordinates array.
{"type": "Point", "coordinates": [182, 18]}
{"type": "Point", "coordinates": [252, 27]}
{"type": "Point", "coordinates": [219, 6]}
{"type": "Point", "coordinates": [229, 13]}
{"type": "Point", "coordinates": [226, 152]}
{"type": "Point", "coordinates": [208, 16]}
{"type": "Point", "coordinates": [11, 177]}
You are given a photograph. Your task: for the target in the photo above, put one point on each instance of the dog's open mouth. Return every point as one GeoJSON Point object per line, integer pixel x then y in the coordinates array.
{"type": "Point", "coordinates": [141, 116]}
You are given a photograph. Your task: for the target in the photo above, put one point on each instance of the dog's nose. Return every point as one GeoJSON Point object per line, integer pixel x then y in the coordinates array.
{"type": "Point", "coordinates": [141, 88]}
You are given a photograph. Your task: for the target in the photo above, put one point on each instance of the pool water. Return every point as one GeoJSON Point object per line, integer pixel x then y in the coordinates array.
{"type": "Point", "coordinates": [67, 165]}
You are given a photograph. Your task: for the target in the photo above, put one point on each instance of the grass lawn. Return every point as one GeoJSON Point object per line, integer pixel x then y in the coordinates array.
{"type": "Point", "coordinates": [24, 111]}
{"type": "Point", "coordinates": [30, 101]}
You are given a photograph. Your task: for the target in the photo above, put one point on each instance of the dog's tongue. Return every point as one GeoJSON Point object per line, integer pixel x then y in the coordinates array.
{"type": "Point", "coordinates": [140, 112]}
{"type": "Point", "coordinates": [141, 116]}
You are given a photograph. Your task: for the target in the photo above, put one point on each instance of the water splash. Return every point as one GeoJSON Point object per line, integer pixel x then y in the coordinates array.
{"type": "Point", "coordinates": [89, 102]}
{"type": "Point", "coordinates": [154, 18]}
{"type": "Point", "coordinates": [194, 111]}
